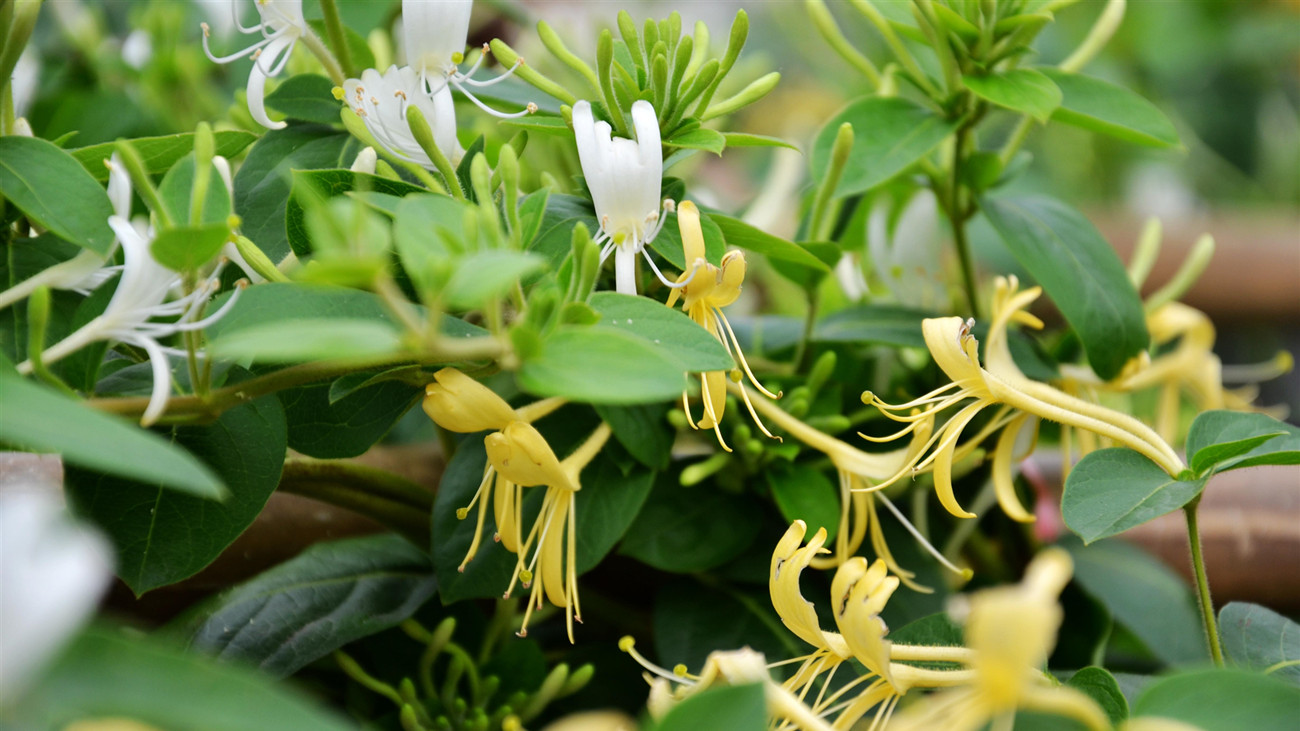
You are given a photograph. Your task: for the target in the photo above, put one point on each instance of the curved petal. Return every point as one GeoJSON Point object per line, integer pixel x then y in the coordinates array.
{"type": "Point", "coordinates": [257, 81]}
{"type": "Point", "coordinates": [162, 380]}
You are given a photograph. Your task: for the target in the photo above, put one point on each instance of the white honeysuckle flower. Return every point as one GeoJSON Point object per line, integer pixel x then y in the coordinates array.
{"type": "Point", "coordinates": [908, 256]}
{"type": "Point", "coordinates": [434, 33]}
{"type": "Point", "coordinates": [53, 572]}
{"type": "Point", "coordinates": [230, 251]}
{"type": "Point", "coordinates": [624, 177]}
{"type": "Point", "coordinates": [281, 27]}
{"type": "Point", "coordinates": [25, 80]}
{"type": "Point", "coordinates": [366, 161]}
{"type": "Point", "coordinates": [137, 49]}
{"type": "Point", "coordinates": [382, 100]}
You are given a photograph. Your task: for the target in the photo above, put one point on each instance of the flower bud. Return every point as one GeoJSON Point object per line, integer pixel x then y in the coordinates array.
{"type": "Point", "coordinates": [459, 403]}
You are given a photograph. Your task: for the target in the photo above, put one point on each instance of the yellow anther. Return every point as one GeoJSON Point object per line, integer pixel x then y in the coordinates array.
{"type": "Point", "coordinates": [626, 643]}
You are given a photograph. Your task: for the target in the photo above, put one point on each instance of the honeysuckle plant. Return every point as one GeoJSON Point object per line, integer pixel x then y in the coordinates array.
{"type": "Point", "coordinates": [794, 457]}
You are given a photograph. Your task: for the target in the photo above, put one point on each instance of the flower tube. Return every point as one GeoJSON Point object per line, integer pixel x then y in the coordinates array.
{"type": "Point", "coordinates": [281, 27]}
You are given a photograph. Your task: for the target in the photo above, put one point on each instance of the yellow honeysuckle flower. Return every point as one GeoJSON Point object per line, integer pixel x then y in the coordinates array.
{"type": "Point", "coordinates": [705, 290]}
{"type": "Point", "coordinates": [1011, 630]}
{"type": "Point", "coordinates": [859, 472]}
{"type": "Point", "coordinates": [459, 403]}
{"type": "Point", "coordinates": [1000, 382]}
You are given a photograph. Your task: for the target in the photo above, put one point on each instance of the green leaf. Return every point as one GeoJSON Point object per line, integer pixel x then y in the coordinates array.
{"type": "Point", "coordinates": [1223, 700]}
{"type": "Point", "coordinates": [669, 330]}
{"type": "Point", "coordinates": [1112, 490]}
{"type": "Point", "coordinates": [889, 136]}
{"type": "Point", "coordinates": [487, 275]}
{"type": "Point", "coordinates": [688, 529]}
{"type": "Point", "coordinates": [934, 630]}
{"type": "Point", "coordinates": [1229, 440]}
{"type": "Point", "coordinates": [542, 124]}
{"type": "Point", "coordinates": [328, 184]}
{"type": "Point", "coordinates": [1101, 106]}
{"type": "Point", "coordinates": [35, 418]}
{"type": "Point", "coordinates": [1258, 638]}
{"type": "Point", "coordinates": [358, 49]}
{"type": "Point", "coordinates": [187, 248]}
{"type": "Point", "coordinates": [643, 431]}
{"type": "Point", "coordinates": [709, 140]}
{"type": "Point", "coordinates": [1020, 90]}
{"type": "Point", "coordinates": [882, 324]}
{"type": "Point", "coordinates": [124, 674]}
{"type": "Point", "coordinates": [177, 193]}
{"type": "Point", "coordinates": [301, 341]}
{"type": "Point", "coordinates": [744, 139]}
{"type": "Point", "coordinates": [1081, 273]}
{"type": "Point", "coordinates": [738, 233]}
{"type": "Point", "coordinates": [668, 243]}
{"type": "Point", "coordinates": [329, 595]}
{"type": "Point", "coordinates": [309, 97]}
{"type": "Point", "coordinates": [606, 505]}
{"type": "Point", "coordinates": [427, 229]}
{"type": "Point", "coordinates": [264, 180]}
{"type": "Point", "coordinates": [159, 154]}
{"type": "Point", "coordinates": [730, 708]}
{"type": "Point", "coordinates": [345, 427]}
{"type": "Point", "coordinates": [603, 365]}
{"type": "Point", "coordinates": [162, 537]}
{"type": "Point", "coordinates": [1143, 595]}
{"type": "Point", "coordinates": [692, 619]}
{"type": "Point", "coordinates": [51, 189]}
{"type": "Point", "coordinates": [1102, 687]}
{"type": "Point", "coordinates": [806, 494]}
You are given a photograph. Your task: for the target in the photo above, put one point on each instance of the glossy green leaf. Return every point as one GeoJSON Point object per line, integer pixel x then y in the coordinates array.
{"type": "Point", "coordinates": [1258, 638]}
{"type": "Point", "coordinates": [1228, 440]}
{"type": "Point", "coordinates": [328, 184]}
{"type": "Point", "coordinates": [693, 619]}
{"type": "Point", "coordinates": [806, 494]}
{"type": "Point", "coordinates": [1101, 106]}
{"type": "Point", "coordinates": [933, 629]}
{"type": "Point", "coordinates": [728, 708]}
{"type": "Point", "coordinates": [1080, 272]}
{"type": "Point", "coordinates": [265, 178]}
{"type": "Point", "coordinates": [744, 139]}
{"type": "Point", "coordinates": [162, 537]}
{"type": "Point", "coordinates": [118, 674]}
{"type": "Point", "coordinates": [1112, 490]}
{"type": "Point", "coordinates": [329, 595]}
{"type": "Point", "coordinates": [889, 136]}
{"type": "Point", "coordinates": [54, 191]}
{"type": "Point", "coordinates": [345, 427]}
{"type": "Point", "coordinates": [1143, 595]}
{"type": "Point", "coordinates": [709, 140]}
{"type": "Point", "coordinates": [485, 275]}
{"type": "Point", "coordinates": [38, 419]}
{"type": "Point", "coordinates": [186, 248]}
{"type": "Point", "coordinates": [688, 529]}
{"type": "Point", "coordinates": [1098, 684]}
{"type": "Point", "coordinates": [1020, 90]}
{"type": "Point", "coordinates": [643, 431]}
{"type": "Point", "coordinates": [669, 330]}
{"type": "Point", "coordinates": [1223, 700]}
{"type": "Point", "coordinates": [300, 341]}
{"type": "Point", "coordinates": [742, 235]}
{"type": "Point", "coordinates": [308, 97]}
{"type": "Point", "coordinates": [603, 365]}
{"type": "Point", "coordinates": [159, 154]}
{"type": "Point", "coordinates": [882, 324]}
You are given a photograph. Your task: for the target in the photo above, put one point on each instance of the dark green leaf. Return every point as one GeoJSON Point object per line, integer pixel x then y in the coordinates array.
{"type": "Point", "coordinates": [933, 630]}
{"type": "Point", "coordinates": [177, 193]}
{"type": "Point", "coordinates": [38, 419]}
{"type": "Point", "coordinates": [1258, 638]}
{"type": "Point", "coordinates": [160, 153]}
{"type": "Point", "coordinates": [1101, 686]}
{"type": "Point", "coordinates": [327, 184]}
{"type": "Point", "coordinates": [882, 324]}
{"type": "Point", "coordinates": [111, 674]}
{"type": "Point", "coordinates": [679, 529]}
{"type": "Point", "coordinates": [889, 136]}
{"type": "Point", "coordinates": [806, 494]}
{"type": "Point", "coordinates": [1223, 700]}
{"type": "Point", "coordinates": [740, 234]}
{"type": "Point", "coordinates": [692, 619]}
{"type": "Point", "coordinates": [709, 140]}
{"type": "Point", "coordinates": [643, 431]}
{"type": "Point", "coordinates": [1228, 440]}
{"type": "Point", "coordinates": [668, 243]}
{"type": "Point", "coordinates": [162, 537]}
{"type": "Point", "coordinates": [51, 189]}
{"type": "Point", "coordinates": [1081, 273]}
{"type": "Point", "coordinates": [1112, 490]}
{"type": "Point", "coordinates": [185, 249]}
{"type": "Point", "coordinates": [329, 595]}
{"type": "Point", "coordinates": [603, 365]}
{"type": "Point", "coordinates": [1142, 594]}
{"type": "Point", "coordinates": [308, 97]}
{"type": "Point", "coordinates": [669, 330]}
{"type": "Point", "coordinates": [730, 708]}
{"type": "Point", "coordinates": [348, 426]}
{"type": "Point", "coordinates": [1021, 90]}
{"type": "Point", "coordinates": [1101, 106]}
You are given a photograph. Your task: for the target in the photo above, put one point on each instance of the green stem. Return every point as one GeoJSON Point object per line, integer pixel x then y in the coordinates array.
{"type": "Point", "coordinates": [334, 27]}
{"type": "Point", "coordinates": [373, 480]}
{"type": "Point", "coordinates": [957, 217]}
{"type": "Point", "coordinates": [327, 59]}
{"type": "Point", "coordinates": [809, 322]}
{"type": "Point", "coordinates": [413, 523]}
{"type": "Point", "coordinates": [1202, 582]}
{"type": "Point", "coordinates": [1016, 139]}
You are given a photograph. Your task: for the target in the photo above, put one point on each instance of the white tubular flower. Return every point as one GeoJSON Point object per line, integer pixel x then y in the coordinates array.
{"type": "Point", "coordinates": [52, 574]}
{"type": "Point", "coordinates": [366, 162]}
{"type": "Point", "coordinates": [908, 252]}
{"type": "Point", "coordinates": [230, 250]}
{"type": "Point", "coordinates": [434, 33]}
{"type": "Point", "coordinates": [382, 100]}
{"type": "Point", "coordinates": [281, 27]}
{"type": "Point", "coordinates": [624, 177]}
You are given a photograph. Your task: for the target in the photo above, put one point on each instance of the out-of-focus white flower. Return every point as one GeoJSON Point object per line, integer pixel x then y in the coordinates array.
{"type": "Point", "coordinates": [281, 27]}
{"type": "Point", "coordinates": [137, 49]}
{"type": "Point", "coordinates": [1156, 190]}
{"type": "Point", "coordinates": [908, 255]}
{"type": "Point", "coordinates": [221, 14]}
{"type": "Point", "coordinates": [624, 177]}
{"type": "Point", "coordinates": [434, 33]}
{"type": "Point", "coordinates": [366, 161]}
{"type": "Point", "coordinates": [52, 573]}
{"type": "Point", "coordinates": [26, 76]}
{"type": "Point", "coordinates": [382, 100]}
